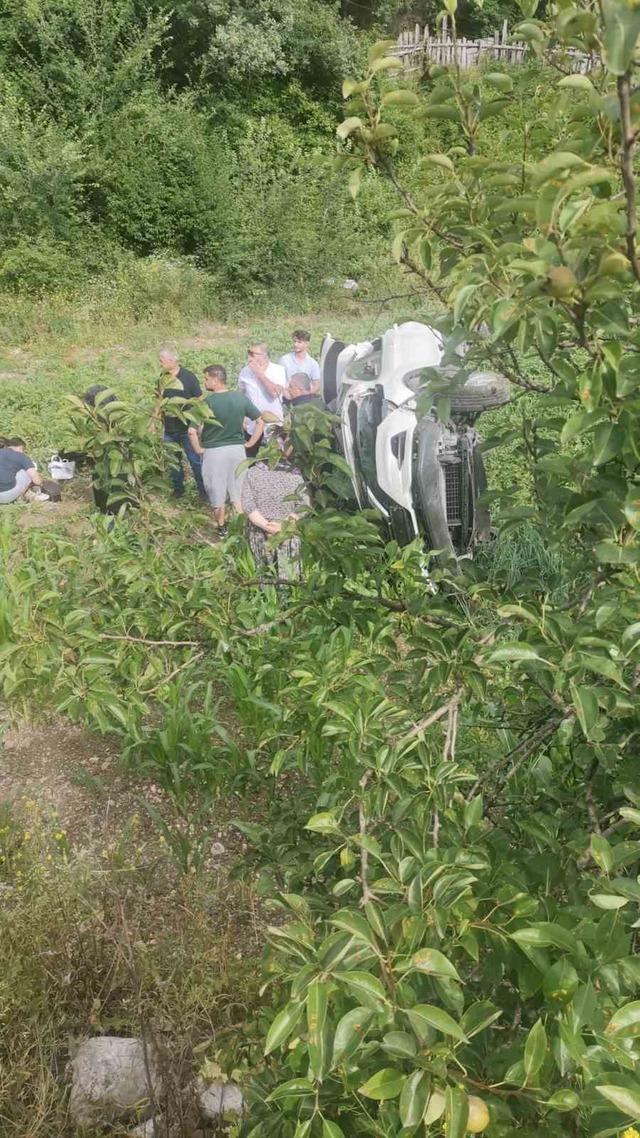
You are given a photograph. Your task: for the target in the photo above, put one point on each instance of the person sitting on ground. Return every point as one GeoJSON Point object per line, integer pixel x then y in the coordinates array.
{"type": "Point", "coordinates": [179, 385]}
{"type": "Point", "coordinates": [301, 392]}
{"type": "Point", "coordinates": [264, 383]}
{"type": "Point", "coordinates": [270, 497]}
{"type": "Point", "coordinates": [19, 476]}
{"type": "Point", "coordinates": [222, 443]}
{"type": "Point", "coordinates": [299, 360]}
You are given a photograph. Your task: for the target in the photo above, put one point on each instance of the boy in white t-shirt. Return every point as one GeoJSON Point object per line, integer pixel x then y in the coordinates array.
{"type": "Point", "coordinates": [299, 360]}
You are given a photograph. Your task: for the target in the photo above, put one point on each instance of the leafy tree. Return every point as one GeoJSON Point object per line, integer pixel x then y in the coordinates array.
{"type": "Point", "coordinates": [463, 956]}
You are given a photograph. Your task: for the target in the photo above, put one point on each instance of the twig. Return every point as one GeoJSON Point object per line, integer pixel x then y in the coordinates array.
{"type": "Point", "coordinates": [171, 676]}
{"type": "Point", "coordinates": [154, 643]}
{"type": "Point", "coordinates": [449, 751]}
{"type": "Point", "coordinates": [367, 895]}
{"type": "Point", "coordinates": [628, 139]}
{"type": "Point", "coordinates": [418, 728]}
{"type": "Point", "coordinates": [524, 748]}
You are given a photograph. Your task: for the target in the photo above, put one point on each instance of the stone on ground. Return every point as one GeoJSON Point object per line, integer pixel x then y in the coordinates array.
{"type": "Point", "coordinates": [110, 1080]}
{"type": "Point", "coordinates": [217, 1099]}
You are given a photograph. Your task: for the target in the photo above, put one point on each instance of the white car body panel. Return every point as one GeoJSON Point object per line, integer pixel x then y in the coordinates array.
{"type": "Point", "coordinates": [395, 473]}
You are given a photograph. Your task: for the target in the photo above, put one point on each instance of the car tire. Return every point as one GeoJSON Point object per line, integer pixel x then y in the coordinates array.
{"type": "Point", "coordinates": [482, 391]}
{"type": "Point", "coordinates": [428, 489]}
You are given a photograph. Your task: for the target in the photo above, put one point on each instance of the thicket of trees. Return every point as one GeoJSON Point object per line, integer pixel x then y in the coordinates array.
{"type": "Point", "coordinates": [130, 129]}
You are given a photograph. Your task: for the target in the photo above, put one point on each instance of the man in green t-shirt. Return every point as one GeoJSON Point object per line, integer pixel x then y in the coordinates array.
{"type": "Point", "coordinates": [222, 444]}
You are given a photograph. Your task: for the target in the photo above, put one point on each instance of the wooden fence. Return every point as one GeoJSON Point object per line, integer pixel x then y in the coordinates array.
{"type": "Point", "coordinates": [416, 46]}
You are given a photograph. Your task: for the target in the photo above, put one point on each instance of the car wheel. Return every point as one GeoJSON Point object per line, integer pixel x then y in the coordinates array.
{"type": "Point", "coordinates": [482, 390]}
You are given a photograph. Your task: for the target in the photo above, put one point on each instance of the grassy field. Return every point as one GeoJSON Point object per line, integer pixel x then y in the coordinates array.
{"type": "Point", "coordinates": [47, 354]}
{"type": "Point", "coordinates": [39, 369]}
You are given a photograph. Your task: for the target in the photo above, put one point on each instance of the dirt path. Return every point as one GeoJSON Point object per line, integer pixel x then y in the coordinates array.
{"type": "Point", "coordinates": [67, 771]}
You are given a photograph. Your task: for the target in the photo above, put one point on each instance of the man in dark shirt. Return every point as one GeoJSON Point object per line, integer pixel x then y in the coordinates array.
{"type": "Point", "coordinates": [17, 471]}
{"type": "Point", "coordinates": [180, 385]}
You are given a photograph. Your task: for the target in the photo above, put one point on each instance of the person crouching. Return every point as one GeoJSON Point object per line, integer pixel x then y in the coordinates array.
{"type": "Point", "coordinates": [19, 477]}
{"type": "Point", "coordinates": [222, 443]}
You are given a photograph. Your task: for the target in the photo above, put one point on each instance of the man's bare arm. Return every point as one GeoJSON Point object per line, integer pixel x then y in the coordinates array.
{"type": "Point", "coordinates": [275, 390]}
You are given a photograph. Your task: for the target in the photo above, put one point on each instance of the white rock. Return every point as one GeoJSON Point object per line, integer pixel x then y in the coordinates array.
{"type": "Point", "coordinates": [145, 1129]}
{"type": "Point", "coordinates": [110, 1079]}
{"type": "Point", "coordinates": [216, 1099]}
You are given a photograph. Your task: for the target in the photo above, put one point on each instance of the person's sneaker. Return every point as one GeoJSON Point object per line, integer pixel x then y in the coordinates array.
{"type": "Point", "coordinates": [35, 496]}
{"type": "Point", "coordinates": [222, 531]}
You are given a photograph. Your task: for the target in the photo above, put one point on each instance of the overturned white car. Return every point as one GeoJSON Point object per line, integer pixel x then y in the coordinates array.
{"type": "Point", "coordinates": [423, 475]}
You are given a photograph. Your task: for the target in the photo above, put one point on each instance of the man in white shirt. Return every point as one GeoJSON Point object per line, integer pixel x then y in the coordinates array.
{"type": "Point", "coordinates": [265, 384]}
{"type": "Point", "coordinates": [299, 360]}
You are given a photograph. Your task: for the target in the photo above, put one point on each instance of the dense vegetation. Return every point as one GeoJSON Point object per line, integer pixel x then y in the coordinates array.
{"type": "Point", "coordinates": [144, 141]}
{"type": "Point", "coordinates": [450, 821]}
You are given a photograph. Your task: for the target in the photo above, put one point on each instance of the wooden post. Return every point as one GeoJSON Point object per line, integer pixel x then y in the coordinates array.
{"type": "Point", "coordinates": [504, 31]}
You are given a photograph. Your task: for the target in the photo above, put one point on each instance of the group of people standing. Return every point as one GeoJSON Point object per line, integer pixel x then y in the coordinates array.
{"type": "Point", "coordinates": [243, 419]}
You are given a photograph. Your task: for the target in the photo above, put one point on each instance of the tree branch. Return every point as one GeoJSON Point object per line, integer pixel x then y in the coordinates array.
{"type": "Point", "coordinates": [628, 140]}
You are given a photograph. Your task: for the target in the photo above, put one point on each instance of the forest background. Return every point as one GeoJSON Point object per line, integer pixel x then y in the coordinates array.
{"type": "Point", "coordinates": [183, 151]}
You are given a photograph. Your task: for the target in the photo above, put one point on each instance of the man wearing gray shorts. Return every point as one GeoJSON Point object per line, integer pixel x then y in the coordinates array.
{"type": "Point", "coordinates": [222, 443]}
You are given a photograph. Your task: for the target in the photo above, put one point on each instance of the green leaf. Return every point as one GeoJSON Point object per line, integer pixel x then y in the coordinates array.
{"type": "Point", "coordinates": [517, 654]}
{"type": "Point", "coordinates": [379, 49]}
{"type": "Point", "coordinates": [601, 853]}
{"type": "Point", "coordinates": [560, 982]}
{"type": "Point", "coordinates": [294, 1088]}
{"type": "Point", "coordinates": [577, 424]}
{"type": "Point", "coordinates": [385, 1084]}
{"type": "Point", "coordinates": [564, 1100]}
{"type": "Point", "coordinates": [400, 98]}
{"type": "Point", "coordinates": [622, 28]}
{"type": "Point", "coordinates": [609, 553]}
{"type": "Point", "coordinates": [535, 1050]}
{"type": "Point", "coordinates": [355, 924]}
{"type": "Point", "coordinates": [331, 1129]}
{"type": "Point", "coordinates": [577, 83]}
{"type": "Point", "coordinates": [432, 961]}
{"type": "Point", "coordinates": [632, 509]}
{"type": "Point", "coordinates": [399, 1043]}
{"type": "Point", "coordinates": [350, 87]}
{"type": "Point", "coordinates": [438, 160]}
{"type": "Point", "coordinates": [608, 901]}
{"type": "Point", "coordinates": [349, 1033]}
{"type": "Point", "coordinates": [607, 442]}
{"type": "Point", "coordinates": [435, 1107]}
{"type": "Point", "coordinates": [282, 1027]}
{"type": "Point", "coordinates": [386, 63]}
{"type": "Point", "coordinates": [626, 1021]}
{"type": "Point", "coordinates": [479, 1016]}
{"type": "Point", "coordinates": [346, 128]}
{"type": "Point", "coordinates": [423, 1014]}
{"type": "Point", "coordinates": [364, 987]}
{"type": "Point", "coordinates": [441, 111]}
{"type": "Point", "coordinates": [500, 80]}
{"type": "Point", "coordinates": [624, 1099]}
{"type": "Point", "coordinates": [585, 702]}
{"type": "Point", "coordinates": [303, 1129]}
{"type": "Point", "coordinates": [457, 1112]}
{"type": "Point", "coordinates": [324, 823]}
{"type": "Point", "coordinates": [630, 814]}
{"type": "Point", "coordinates": [413, 1099]}
{"type": "Point", "coordinates": [555, 164]}
{"type": "Point", "coordinates": [317, 999]}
